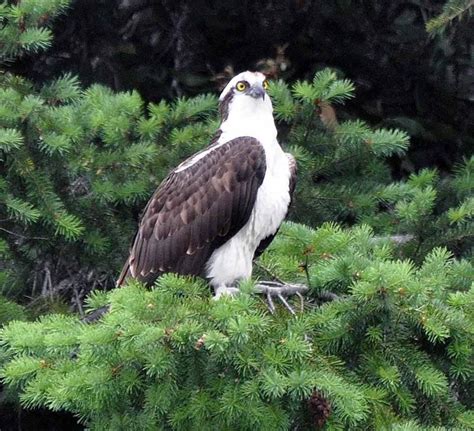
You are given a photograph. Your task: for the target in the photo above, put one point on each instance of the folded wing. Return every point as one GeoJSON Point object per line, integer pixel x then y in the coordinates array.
{"type": "Point", "coordinates": [196, 209]}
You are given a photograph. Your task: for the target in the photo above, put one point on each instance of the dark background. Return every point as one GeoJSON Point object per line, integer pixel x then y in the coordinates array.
{"type": "Point", "coordinates": [164, 48]}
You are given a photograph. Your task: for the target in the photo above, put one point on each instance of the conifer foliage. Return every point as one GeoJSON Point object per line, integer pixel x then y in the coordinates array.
{"type": "Point", "coordinates": [385, 339]}
{"type": "Point", "coordinates": [25, 25]}
{"type": "Point", "coordinates": [344, 175]}
{"type": "Point", "coordinates": [452, 10]}
{"type": "Point", "coordinates": [393, 345]}
{"type": "Point", "coordinates": [77, 167]}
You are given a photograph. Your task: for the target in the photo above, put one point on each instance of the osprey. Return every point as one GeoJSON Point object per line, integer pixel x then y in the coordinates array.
{"type": "Point", "coordinates": [221, 207]}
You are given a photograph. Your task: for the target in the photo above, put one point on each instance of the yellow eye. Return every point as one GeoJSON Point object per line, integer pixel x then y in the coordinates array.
{"type": "Point", "coordinates": [265, 84]}
{"type": "Point", "coordinates": [241, 85]}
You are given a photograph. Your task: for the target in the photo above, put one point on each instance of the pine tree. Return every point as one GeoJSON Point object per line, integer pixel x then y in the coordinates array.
{"type": "Point", "coordinates": [392, 343]}
{"type": "Point", "coordinates": [25, 26]}
{"type": "Point", "coordinates": [344, 175]}
{"type": "Point", "coordinates": [77, 167]}
{"type": "Point", "coordinates": [385, 340]}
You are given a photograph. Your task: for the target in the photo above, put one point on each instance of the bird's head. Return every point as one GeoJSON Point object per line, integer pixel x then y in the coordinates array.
{"type": "Point", "coordinates": [246, 93]}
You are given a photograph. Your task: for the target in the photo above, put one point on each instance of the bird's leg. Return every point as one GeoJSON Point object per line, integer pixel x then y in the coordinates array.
{"type": "Point", "coordinates": [225, 290]}
{"type": "Point", "coordinates": [271, 289]}
{"type": "Point", "coordinates": [281, 290]}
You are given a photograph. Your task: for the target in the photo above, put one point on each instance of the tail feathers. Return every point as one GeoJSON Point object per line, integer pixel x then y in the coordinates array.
{"type": "Point", "coordinates": [124, 275]}
{"type": "Point", "coordinates": [95, 315]}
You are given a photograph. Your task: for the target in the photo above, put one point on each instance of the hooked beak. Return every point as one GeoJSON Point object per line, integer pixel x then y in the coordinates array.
{"type": "Point", "coordinates": [257, 92]}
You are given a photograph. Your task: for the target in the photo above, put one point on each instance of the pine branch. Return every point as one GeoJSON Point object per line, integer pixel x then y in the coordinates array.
{"type": "Point", "coordinates": [22, 236]}
{"type": "Point", "coordinates": [452, 10]}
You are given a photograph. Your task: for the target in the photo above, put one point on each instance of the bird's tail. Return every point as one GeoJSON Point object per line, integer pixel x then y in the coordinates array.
{"type": "Point", "coordinates": [123, 275]}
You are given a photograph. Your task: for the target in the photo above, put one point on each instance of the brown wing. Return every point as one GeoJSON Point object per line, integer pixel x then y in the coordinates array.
{"type": "Point", "coordinates": [264, 243]}
{"type": "Point", "coordinates": [195, 210]}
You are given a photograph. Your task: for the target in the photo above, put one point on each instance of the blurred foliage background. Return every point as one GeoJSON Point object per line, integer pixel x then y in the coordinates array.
{"type": "Point", "coordinates": [405, 76]}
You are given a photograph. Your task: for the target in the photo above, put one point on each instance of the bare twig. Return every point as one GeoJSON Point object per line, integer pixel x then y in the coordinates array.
{"type": "Point", "coordinates": [78, 301]}
{"type": "Point", "coordinates": [47, 283]}
{"type": "Point", "coordinates": [269, 272]}
{"type": "Point", "coordinates": [21, 236]}
{"type": "Point", "coordinates": [306, 271]}
{"type": "Point", "coordinates": [35, 280]}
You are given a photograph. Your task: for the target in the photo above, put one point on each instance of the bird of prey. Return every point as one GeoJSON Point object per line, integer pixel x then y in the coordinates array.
{"type": "Point", "coordinates": [220, 208]}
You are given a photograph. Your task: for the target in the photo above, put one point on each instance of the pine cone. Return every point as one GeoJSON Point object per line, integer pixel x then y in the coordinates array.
{"type": "Point", "coordinates": [319, 409]}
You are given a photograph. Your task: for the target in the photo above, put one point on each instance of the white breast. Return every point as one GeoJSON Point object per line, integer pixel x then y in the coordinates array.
{"type": "Point", "coordinates": [233, 260]}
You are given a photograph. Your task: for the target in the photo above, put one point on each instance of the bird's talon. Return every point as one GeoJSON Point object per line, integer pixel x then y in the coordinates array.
{"type": "Point", "coordinates": [225, 291]}
{"type": "Point", "coordinates": [271, 305]}
{"type": "Point", "coordinates": [285, 303]}
{"type": "Point", "coordinates": [299, 295]}
{"type": "Point", "coordinates": [273, 288]}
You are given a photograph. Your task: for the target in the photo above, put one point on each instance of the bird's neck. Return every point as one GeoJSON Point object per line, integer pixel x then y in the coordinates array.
{"type": "Point", "coordinates": [256, 122]}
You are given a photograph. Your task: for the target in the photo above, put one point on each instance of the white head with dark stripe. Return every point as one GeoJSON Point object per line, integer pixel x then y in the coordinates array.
{"type": "Point", "coordinates": [245, 95]}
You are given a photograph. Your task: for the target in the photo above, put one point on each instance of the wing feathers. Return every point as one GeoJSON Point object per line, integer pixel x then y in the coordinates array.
{"type": "Point", "coordinates": [197, 209]}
